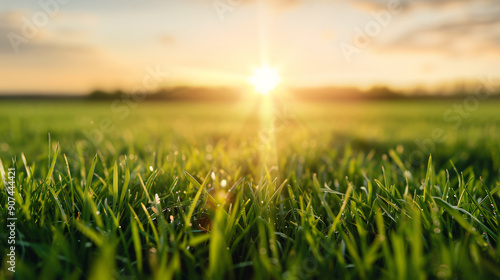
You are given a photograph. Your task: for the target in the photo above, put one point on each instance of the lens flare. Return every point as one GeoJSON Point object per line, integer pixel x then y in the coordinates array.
{"type": "Point", "coordinates": [264, 80]}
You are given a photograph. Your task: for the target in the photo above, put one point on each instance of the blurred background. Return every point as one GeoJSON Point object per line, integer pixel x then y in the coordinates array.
{"type": "Point", "coordinates": [422, 47]}
{"type": "Point", "coordinates": [416, 77]}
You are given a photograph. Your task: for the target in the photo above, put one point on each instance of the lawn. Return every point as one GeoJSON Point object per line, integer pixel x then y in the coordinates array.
{"type": "Point", "coordinates": [258, 189]}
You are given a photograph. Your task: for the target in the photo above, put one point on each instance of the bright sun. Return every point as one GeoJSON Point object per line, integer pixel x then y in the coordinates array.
{"type": "Point", "coordinates": [264, 80]}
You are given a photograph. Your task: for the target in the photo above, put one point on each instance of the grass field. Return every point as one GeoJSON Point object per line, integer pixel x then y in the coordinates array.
{"type": "Point", "coordinates": [256, 190]}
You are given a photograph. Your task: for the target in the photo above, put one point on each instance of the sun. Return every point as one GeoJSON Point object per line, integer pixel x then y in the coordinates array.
{"type": "Point", "coordinates": [264, 80]}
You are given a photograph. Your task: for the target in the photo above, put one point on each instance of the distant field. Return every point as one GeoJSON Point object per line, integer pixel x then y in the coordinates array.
{"type": "Point", "coordinates": [256, 189]}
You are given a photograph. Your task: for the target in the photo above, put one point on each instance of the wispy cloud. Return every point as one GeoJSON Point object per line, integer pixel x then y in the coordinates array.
{"type": "Point", "coordinates": [470, 35]}
{"type": "Point", "coordinates": [167, 39]}
{"type": "Point", "coordinates": [63, 40]}
{"type": "Point", "coordinates": [410, 5]}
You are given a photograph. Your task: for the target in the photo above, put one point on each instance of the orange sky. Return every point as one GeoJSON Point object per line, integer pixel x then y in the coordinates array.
{"type": "Point", "coordinates": [79, 46]}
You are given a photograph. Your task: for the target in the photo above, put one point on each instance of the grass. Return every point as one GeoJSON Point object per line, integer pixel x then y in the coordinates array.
{"type": "Point", "coordinates": [220, 191]}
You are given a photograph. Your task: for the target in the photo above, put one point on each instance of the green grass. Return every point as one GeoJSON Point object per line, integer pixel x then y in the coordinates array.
{"type": "Point", "coordinates": [233, 191]}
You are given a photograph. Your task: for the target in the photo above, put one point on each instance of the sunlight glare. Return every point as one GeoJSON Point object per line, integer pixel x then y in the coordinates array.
{"type": "Point", "coordinates": [264, 80]}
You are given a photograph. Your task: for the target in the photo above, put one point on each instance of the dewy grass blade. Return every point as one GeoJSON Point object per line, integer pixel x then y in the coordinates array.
{"type": "Point", "coordinates": [453, 210]}
{"type": "Point", "coordinates": [59, 206]}
{"type": "Point", "coordinates": [96, 237]}
{"type": "Point", "coordinates": [125, 187]}
{"type": "Point", "coordinates": [52, 164]}
{"type": "Point", "coordinates": [115, 185]}
{"type": "Point", "coordinates": [137, 244]}
{"type": "Point", "coordinates": [2, 174]}
{"type": "Point", "coordinates": [342, 208]}
{"type": "Point", "coordinates": [87, 199]}
{"type": "Point", "coordinates": [427, 187]}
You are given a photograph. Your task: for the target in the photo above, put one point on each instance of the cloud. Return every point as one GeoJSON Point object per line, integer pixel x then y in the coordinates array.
{"type": "Point", "coordinates": [285, 4]}
{"type": "Point", "coordinates": [45, 41]}
{"type": "Point", "coordinates": [455, 27]}
{"type": "Point", "coordinates": [167, 39]}
{"type": "Point", "coordinates": [473, 34]}
{"type": "Point", "coordinates": [412, 5]}
{"type": "Point", "coordinates": [274, 5]}
{"type": "Point", "coordinates": [6, 26]}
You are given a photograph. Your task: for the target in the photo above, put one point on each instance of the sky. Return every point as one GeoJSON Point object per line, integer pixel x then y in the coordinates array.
{"type": "Point", "coordinates": [71, 46]}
